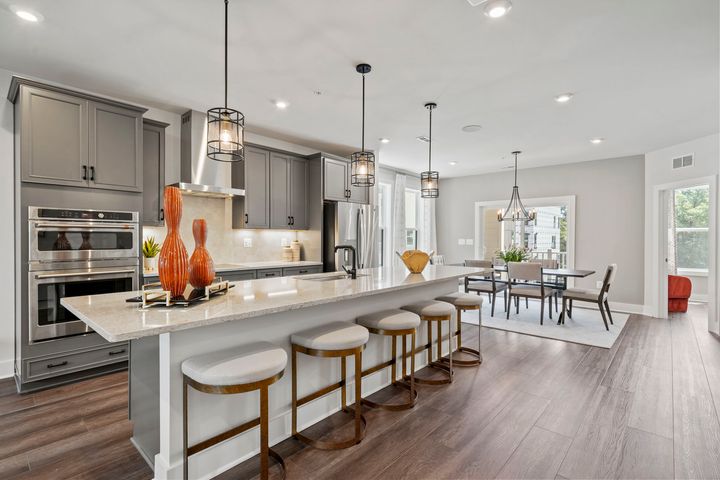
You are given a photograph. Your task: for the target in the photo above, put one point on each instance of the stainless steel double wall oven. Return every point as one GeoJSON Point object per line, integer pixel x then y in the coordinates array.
{"type": "Point", "coordinates": [73, 253]}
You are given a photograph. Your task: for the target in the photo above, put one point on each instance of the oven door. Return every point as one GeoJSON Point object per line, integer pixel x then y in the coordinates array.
{"type": "Point", "coordinates": [48, 319]}
{"type": "Point", "coordinates": [63, 241]}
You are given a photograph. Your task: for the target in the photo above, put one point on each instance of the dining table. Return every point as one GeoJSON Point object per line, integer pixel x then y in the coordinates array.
{"type": "Point", "coordinates": [560, 273]}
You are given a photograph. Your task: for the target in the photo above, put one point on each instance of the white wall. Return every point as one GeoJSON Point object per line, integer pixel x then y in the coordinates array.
{"type": "Point", "coordinates": [609, 215]}
{"type": "Point", "coordinates": [659, 171]}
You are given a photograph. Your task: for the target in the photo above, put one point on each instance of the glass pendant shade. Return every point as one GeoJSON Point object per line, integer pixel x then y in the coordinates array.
{"type": "Point", "coordinates": [429, 183]}
{"type": "Point", "coordinates": [362, 163]}
{"type": "Point", "coordinates": [516, 211]}
{"type": "Point", "coordinates": [362, 169]}
{"type": "Point", "coordinates": [225, 134]}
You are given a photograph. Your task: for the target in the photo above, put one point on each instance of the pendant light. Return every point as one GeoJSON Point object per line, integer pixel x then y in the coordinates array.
{"type": "Point", "coordinates": [362, 163]}
{"type": "Point", "coordinates": [515, 210]}
{"type": "Point", "coordinates": [429, 181]}
{"type": "Point", "coordinates": [225, 126]}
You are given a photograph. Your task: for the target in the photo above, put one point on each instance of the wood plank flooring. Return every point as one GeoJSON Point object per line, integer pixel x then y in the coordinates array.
{"type": "Point", "coordinates": [536, 408]}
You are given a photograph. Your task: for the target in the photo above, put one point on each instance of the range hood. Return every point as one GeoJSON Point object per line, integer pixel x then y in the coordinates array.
{"type": "Point", "coordinates": [200, 175]}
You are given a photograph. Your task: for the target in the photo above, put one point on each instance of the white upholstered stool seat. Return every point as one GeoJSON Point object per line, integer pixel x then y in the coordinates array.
{"type": "Point", "coordinates": [332, 336]}
{"type": "Point", "coordinates": [430, 308]}
{"type": "Point", "coordinates": [244, 364]}
{"type": "Point", "coordinates": [462, 300]}
{"type": "Point", "coordinates": [390, 320]}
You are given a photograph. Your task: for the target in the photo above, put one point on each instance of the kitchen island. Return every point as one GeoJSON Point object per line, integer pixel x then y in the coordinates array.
{"type": "Point", "coordinates": [255, 310]}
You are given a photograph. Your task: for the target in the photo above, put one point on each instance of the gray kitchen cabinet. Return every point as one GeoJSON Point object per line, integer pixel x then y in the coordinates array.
{"type": "Point", "coordinates": [76, 139]}
{"type": "Point", "coordinates": [335, 175]}
{"type": "Point", "coordinates": [153, 172]}
{"type": "Point", "coordinates": [237, 276]}
{"type": "Point", "coordinates": [253, 175]}
{"type": "Point", "coordinates": [288, 192]}
{"type": "Point", "coordinates": [357, 194]}
{"type": "Point", "coordinates": [269, 273]}
{"type": "Point", "coordinates": [298, 186]}
{"type": "Point", "coordinates": [53, 137]}
{"type": "Point", "coordinates": [293, 271]}
{"type": "Point", "coordinates": [116, 151]}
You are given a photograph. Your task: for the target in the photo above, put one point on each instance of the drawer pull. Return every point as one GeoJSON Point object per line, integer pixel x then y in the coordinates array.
{"type": "Point", "coordinates": [54, 365]}
{"type": "Point", "coordinates": [116, 352]}
{"type": "Point", "coordinates": [303, 271]}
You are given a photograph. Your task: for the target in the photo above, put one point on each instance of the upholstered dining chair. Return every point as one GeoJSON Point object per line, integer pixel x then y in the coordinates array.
{"type": "Point", "coordinates": [599, 297]}
{"type": "Point", "coordinates": [486, 283]}
{"type": "Point", "coordinates": [519, 274]}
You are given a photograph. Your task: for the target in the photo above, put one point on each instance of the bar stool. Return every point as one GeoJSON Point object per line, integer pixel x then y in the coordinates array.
{"type": "Point", "coordinates": [242, 369]}
{"type": "Point", "coordinates": [464, 302]}
{"type": "Point", "coordinates": [336, 339]}
{"type": "Point", "coordinates": [433, 311]}
{"type": "Point", "coordinates": [394, 323]}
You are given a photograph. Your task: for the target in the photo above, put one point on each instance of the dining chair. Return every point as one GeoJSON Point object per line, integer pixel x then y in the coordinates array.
{"type": "Point", "coordinates": [555, 283]}
{"type": "Point", "coordinates": [528, 272]}
{"type": "Point", "coordinates": [599, 297]}
{"type": "Point", "coordinates": [486, 283]}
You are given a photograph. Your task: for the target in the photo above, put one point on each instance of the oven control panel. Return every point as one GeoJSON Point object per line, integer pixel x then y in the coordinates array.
{"type": "Point", "coordinates": [68, 214]}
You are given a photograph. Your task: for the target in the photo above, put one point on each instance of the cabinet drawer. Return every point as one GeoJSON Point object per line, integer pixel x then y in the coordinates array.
{"type": "Point", "coordinates": [76, 361]}
{"type": "Point", "coordinates": [269, 273]}
{"type": "Point", "coordinates": [237, 276]}
{"type": "Point", "coordinates": [292, 271]}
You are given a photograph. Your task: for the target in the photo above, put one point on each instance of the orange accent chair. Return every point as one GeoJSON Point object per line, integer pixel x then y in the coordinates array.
{"type": "Point", "coordinates": [679, 290]}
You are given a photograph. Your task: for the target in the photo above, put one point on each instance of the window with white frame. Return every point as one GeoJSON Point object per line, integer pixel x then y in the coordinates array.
{"type": "Point", "coordinates": [384, 221]}
{"type": "Point", "coordinates": [692, 221]}
{"type": "Point", "coordinates": [413, 217]}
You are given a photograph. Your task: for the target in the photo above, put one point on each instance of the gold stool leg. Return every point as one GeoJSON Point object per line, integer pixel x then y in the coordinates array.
{"type": "Point", "coordinates": [343, 380]}
{"type": "Point", "coordinates": [294, 391]}
{"type": "Point", "coordinates": [358, 396]}
{"type": "Point", "coordinates": [438, 364]}
{"type": "Point", "coordinates": [393, 368]}
{"type": "Point", "coordinates": [185, 429]}
{"type": "Point", "coordinates": [470, 351]}
{"type": "Point", "coordinates": [264, 436]}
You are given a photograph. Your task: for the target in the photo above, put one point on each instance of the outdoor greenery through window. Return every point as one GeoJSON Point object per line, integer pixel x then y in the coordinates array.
{"type": "Point", "coordinates": [692, 227]}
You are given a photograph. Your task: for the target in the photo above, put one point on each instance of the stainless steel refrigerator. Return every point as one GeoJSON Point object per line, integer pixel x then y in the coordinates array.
{"type": "Point", "coordinates": [350, 224]}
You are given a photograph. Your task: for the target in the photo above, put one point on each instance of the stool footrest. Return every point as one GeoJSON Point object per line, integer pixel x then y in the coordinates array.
{"type": "Point", "coordinates": [320, 393]}
{"type": "Point", "coordinates": [221, 437]}
{"type": "Point", "coordinates": [465, 363]}
{"type": "Point", "coordinates": [377, 368]}
{"type": "Point", "coordinates": [413, 394]}
{"type": "Point", "coordinates": [427, 381]}
{"type": "Point", "coordinates": [329, 445]}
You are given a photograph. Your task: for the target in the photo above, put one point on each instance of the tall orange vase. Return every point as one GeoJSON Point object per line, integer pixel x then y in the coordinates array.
{"type": "Point", "coordinates": [202, 269]}
{"type": "Point", "coordinates": [173, 261]}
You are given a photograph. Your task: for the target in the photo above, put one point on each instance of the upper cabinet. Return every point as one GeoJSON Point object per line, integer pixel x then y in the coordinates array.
{"type": "Point", "coordinates": [253, 175]}
{"type": "Point", "coordinates": [288, 191]}
{"type": "Point", "coordinates": [153, 172]}
{"type": "Point", "coordinates": [337, 185]}
{"type": "Point", "coordinates": [75, 139]}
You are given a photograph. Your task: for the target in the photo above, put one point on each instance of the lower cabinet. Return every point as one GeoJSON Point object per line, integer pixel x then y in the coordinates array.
{"type": "Point", "coordinates": [240, 275]}
{"type": "Point", "coordinates": [51, 366]}
{"type": "Point", "coordinates": [237, 276]}
{"type": "Point", "coordinates": [269, 273]}
{"type": "Point", "coordinates": [293, 271]}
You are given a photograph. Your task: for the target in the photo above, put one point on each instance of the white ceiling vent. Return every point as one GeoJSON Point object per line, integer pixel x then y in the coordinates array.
{"type": "Point", "coordinates": [682, 162]}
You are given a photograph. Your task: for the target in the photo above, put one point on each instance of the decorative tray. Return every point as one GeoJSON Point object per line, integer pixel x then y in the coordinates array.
{"type": "Point", "coordinates": [153, 294]}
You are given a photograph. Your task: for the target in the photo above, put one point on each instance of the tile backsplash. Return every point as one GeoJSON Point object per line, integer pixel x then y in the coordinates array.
{"type": "Point", "coordinates": [229, 246]}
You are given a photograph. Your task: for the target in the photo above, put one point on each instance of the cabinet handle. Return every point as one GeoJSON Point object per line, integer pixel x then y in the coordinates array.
{"type": "Point", "coordinates": [84, 169]}
{"type": "Point", "coordinates": [92, 174]}
{"type": "Point", "coordinates": [303, 271]}
{"type": "Point", "coordinates": [289, 221]}
{"type": "Point", "coordinates": [116, 352]}
{"type": "Point", "coordinates": [246, 218]}
{"type": "Point", "coordinates": [162, 214]}
{"type": "Point", "coordinates": [53, 365]}
{"type": "Point", "coordinates": [292, 220]}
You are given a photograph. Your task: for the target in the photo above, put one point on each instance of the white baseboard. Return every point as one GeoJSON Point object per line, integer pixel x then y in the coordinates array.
{"type": "Point", "coordinates": [7, 368]}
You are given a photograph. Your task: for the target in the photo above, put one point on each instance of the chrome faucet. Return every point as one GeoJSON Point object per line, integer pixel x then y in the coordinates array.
{"type": "Point", "coordinates": [353, 272]}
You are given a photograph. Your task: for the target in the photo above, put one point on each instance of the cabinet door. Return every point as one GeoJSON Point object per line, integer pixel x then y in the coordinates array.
{"type": "Point", "coordinates": [116, 161]}
{"type": "Point", "coordinates": [257, 188]}
{"type": "Point", "coordinates": [153, 174]}
{"type": "Point", "coordinates": [53, 137]}
{"type": "Point", "coordinates": [358, 194]}
{"type": "Point", "coordinates": [298, 193]}
{"type": "Point", "coordinates": [335, 179]}
{"type": "Point", "coordinates": [279, 190]}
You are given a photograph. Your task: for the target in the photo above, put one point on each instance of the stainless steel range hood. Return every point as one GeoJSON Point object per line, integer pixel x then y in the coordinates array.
{"type": "Point", "coordinates": [199, 175]}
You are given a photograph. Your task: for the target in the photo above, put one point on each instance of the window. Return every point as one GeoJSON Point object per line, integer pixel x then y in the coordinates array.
{"type": "Point", "coordinates": [412, 218]}
{"type": "Point", "coordinates": [692, 227]}
{"type": "Point", "coordinates": [384, 222]}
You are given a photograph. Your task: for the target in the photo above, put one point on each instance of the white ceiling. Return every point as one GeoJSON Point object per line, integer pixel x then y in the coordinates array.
{"type": "Point", "coordinates": [645, 72]}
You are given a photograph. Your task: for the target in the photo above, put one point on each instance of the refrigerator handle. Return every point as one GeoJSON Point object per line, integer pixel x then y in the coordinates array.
{"type": "Point", "coordinates": [358, 235]}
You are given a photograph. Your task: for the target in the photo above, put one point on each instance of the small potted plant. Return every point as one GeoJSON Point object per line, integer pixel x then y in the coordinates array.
{"type": "Point", "coordinates": [514, 254]}
{"type": "Point", "coordinates": [150, 250]}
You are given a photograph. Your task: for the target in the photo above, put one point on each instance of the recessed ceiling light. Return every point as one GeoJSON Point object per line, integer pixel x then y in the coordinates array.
{"type": "Point", "coordinates": [597, 140]}
{"type": "Point", "coordinates": [452, 164]}
{"type": "Point", "coordinates": [423, 138]}
{"type": "Point", "coordinates": [471, 128]}
{"type": "Point", "coordinates": [564, 97]}
{"type": "Point", "coordinates": [497, 8]}
{"type": "Point", "coordinates": [26, 14]}
{"type": "Point", "coordinates": [384, 140]}
{"type": "Point", "coordinates": [281, 104]}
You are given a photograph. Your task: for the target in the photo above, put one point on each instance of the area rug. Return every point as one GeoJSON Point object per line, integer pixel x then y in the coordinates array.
{"type": "Point", "coordinates": [586, 327]}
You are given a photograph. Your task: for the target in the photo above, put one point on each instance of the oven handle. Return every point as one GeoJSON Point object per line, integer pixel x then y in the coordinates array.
{"type": "Point", "coordinates": [81, 274]}
{"type": "Point", "coordinates": [85, 226]}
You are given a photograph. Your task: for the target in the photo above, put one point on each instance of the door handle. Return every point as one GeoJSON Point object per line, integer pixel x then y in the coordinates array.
{"type": "Point", "coordinates": [162, 214]}
{"type": "Point", "coordinates": [84, 174]}
{"type": "Point", "coordinates": [246, 218]}
{"type": "Point", "coordinates": [292, 220]}
{"type": "Point", "coordinates": [116, 352]}
{"type": "Point", "coordinates": [92, 174]}
{"type": "Point", "coordinates": [81, 274]}
{"type": "Point", "coordinates": [289, 221]}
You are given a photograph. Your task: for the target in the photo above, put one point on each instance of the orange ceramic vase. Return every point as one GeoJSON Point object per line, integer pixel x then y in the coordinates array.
{"type": "Point", "coordinates": [173, 261]}
{"type": "Point", "coordinates": [202, 269]}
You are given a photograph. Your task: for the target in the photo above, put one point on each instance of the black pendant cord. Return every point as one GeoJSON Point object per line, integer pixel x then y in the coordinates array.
{"type": "Point", "coordinates": [226, 51]}
{"type": "Point", "coordinates": [430, 142]}
{"type": "Point", "coordinates": [516, 170]}
{"type": "Point", "coordinates": [363, 114]}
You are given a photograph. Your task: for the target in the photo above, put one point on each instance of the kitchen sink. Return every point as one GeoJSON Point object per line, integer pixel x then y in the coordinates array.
{"type": "Point", "coordinates": [328, 277]}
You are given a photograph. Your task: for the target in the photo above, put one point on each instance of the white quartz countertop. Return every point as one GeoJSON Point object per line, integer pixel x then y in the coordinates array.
{"type": "Point", "coordinates": [238, 267]}
{"type": "Point", "coordinates": [116, 320]}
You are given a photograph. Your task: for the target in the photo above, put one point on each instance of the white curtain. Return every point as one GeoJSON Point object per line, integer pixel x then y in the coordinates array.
{"type": "Point", "coordinates": [398, 217]}
{"type": "Point", "coordinates": [428, 236]}
{"type": "Point", "coordinates": [671, 233]}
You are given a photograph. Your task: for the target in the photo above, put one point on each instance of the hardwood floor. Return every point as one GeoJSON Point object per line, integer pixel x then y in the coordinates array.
{"type": "Point", "coordinates": [536, 408]}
